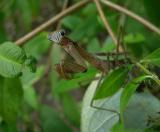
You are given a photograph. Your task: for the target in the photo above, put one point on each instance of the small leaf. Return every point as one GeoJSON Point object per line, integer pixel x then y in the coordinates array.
{"type": "Point", "coordinates": [10, 98]}
{"type": "Point", "coordinates": [31, 63]}
{"type": "Point", "coordinates": [134, 38]}
{"type": "Point", "coordinates": [11, 59]}
{"type": "Point", "coordinates": [153, 58]}
{"type": "Point", "coordinates": [112, 83]}
{"type": "Point", "coordinates": [129, 90]}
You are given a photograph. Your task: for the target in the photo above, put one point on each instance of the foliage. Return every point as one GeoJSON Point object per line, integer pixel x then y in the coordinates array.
{"type": "Point", "coordinates": [34, 98]}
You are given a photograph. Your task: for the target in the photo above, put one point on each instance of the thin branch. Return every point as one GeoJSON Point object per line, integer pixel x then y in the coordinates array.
{"type": "Point", "coordinates": [45, 25]}
{"type": "Point", "coordinates": [105, 21]}
{"type": "Point", "coordinates": [133, 15]}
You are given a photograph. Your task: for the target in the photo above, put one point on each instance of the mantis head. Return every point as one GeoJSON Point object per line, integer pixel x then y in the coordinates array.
{"type": "Point", "coordinates": [56, 36]}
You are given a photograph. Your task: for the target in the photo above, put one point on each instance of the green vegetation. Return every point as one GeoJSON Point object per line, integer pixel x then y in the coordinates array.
{"type": "Point", "coordinates": [34, 98]}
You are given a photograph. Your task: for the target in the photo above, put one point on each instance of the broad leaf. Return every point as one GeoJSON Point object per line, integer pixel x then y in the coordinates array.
{"type": "Point", "coordinates": [140, 107]}
{"type": "Point", "coordinates": [12, 58]}
{"type": "Point", "coordinates": [136, 114]}
{"type": "Point", "coordinates": [153, 58]}
{"type": "Point", "coordinates": [10, 98]}
{"type": "Point", "coordinates": [129, 90]}
{"type": "Point", "coordinates": [112, 83]}
{"type": "Point", "coordinates": [95, 120]}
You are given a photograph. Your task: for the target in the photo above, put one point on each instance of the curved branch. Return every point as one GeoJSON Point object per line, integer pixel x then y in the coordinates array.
{"type": "Point", "coordinates": [105, 21]}
{"type": "Point", "coordinates": [133, 15]}
{"type": "Point", "coordinates": [45, 25]}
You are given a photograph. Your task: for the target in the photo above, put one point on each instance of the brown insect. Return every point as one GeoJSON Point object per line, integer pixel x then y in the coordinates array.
{"type": "Point", "coordinates": [80, 55]}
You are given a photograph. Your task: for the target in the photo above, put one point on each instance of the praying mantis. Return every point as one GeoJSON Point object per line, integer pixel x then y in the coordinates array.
{"type": "Point", "coordinates": [80, 55]}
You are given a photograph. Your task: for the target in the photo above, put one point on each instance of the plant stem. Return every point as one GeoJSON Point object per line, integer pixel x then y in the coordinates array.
{"type": "Point", "coordinates": [105, 21]}
{"type": "Point", "coordinates": [146, 71]}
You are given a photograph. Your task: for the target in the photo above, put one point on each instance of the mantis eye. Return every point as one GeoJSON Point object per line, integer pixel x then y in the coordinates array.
{"type": "Point", "coordinates": [62, 32]}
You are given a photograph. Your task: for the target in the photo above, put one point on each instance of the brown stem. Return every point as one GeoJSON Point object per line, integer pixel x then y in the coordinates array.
{"type": "Point", "coordinates": [45, 25]}
{"type": "Point", "coordinates": [105, 21]}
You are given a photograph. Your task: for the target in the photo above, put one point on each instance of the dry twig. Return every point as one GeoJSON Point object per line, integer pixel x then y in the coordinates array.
{"type": "Point", "coordinates": [45, 25]}
{"type": "Point", "coordinates": [105, 21]}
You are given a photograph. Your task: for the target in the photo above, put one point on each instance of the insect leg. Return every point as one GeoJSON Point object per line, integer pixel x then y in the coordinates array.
{"type": "Point", "coordinates": [101, 108]}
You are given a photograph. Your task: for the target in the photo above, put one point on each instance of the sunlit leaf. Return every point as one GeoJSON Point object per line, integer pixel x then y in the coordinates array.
{"type": "Point", "coordinates": [12, 58]}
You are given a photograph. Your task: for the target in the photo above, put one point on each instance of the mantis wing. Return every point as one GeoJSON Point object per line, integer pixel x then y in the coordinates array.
{"type": "Point", "coordinates": [71, 50]}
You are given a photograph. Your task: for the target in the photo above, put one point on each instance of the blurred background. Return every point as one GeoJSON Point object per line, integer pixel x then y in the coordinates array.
{"type": "Point", "coordinates": [52, 104]}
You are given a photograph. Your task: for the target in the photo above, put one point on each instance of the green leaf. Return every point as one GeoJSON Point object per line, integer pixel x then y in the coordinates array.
{"type": "Point", "coordinates": [31, 63]}
{"type": "Point", "coordinates": [152, 11]}
{"type": "Point", "coordinates": [10, 98]}
{"type": "Point", "coordinates": [129, 90]}
{"type": "Point", "coordinates": [5, 127]}
{"type": "Point", "coordinates": [12, 58]}
{"type": "Point", "coordinates": [29, 78]}
{"type": "Point", "coordinates": [134, 38]}
{"type": "Point", "coordinates": [68, 85]}
{"type": "Point", "coordinates": [153, 58]}
{"type": "Point", "coordinates": [112, 83]}
{"type": "Point", "coordinates": [38, 45]}
{"type": "Point", "coordinates": [70, 109]}
{"type": "Point", "coordinates": [140, 107]}
{"type": "Point", "coordinates": [71, 22]}
{"type": "Point", "coordinates": [30, 96]}
{"type": "Point", "coordinates": [51, 122]}
{"type": "Point", "coordinates": [96, 120]}
{"type": "Point", "coordinates": [26, 14]}
{"type": "Point", "coordinates": [136, 114]}
{"type": "Point", "coordinates": [94, 46]}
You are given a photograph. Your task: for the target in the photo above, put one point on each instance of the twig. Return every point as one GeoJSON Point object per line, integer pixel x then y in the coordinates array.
{"type": "Point", "coordinates": [45, 25]}
{"type": "Point", "coordinates": [133, 15]}
{"type": "Point", "coordinates": [105, 21]}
